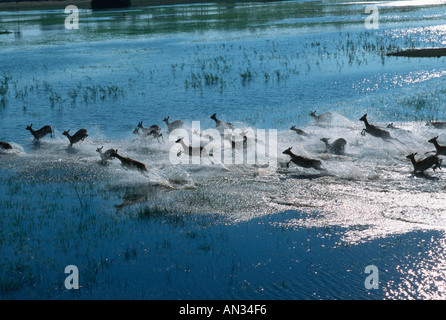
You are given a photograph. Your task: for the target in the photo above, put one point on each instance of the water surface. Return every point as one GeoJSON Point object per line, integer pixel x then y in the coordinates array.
{"type": "Point", "coordinates": [200, 231]}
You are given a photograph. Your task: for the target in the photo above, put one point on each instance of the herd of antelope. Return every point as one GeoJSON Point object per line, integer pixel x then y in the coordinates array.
{"type": "Point", "coordinates": [337, 147]}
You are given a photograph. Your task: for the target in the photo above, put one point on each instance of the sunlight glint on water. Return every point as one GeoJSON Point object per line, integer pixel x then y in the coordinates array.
{"type": "Point", "coordinates": [263, 66]}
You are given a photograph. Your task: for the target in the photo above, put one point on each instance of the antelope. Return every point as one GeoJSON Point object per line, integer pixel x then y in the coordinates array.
{"type": "Point", "coordinates": [243, 134]}
{"type": "Point", "coordinates": [422, 165]}
{"type": "Point", "coordinates": [75, 138]}
{"type": "Point", "coordinates": [221, 124]}
{"type": "Point", "coordinates": [245, 141]}
{"type": "Point", "coordinates": [173, 125]}
{"type": "Point", "coordinates": [375, 131]}
{"type": "Point", "coordinates": [440, 150]}
{"type": "Point", "coordinates": [337, 147]}
{"type": "Point", "coordinates": [324, 117]}
{"type": "Point", "coordinates": [107, 155]}
{"type": "Point", "coordinates": [147, 130]}
{"type": "Point", "coordinates": [391, 126]}
{"type": "Point", "coordinates": [229, 139]}
{"type": "Point", "coordinates": [127, 162]}
{"type": "Point", "coordinates": [189, 150]}
{"type": "Point", "coordinates": [153, 133]}
{"type": "Point", "coordinates": [299, 131]}
{"type": "Point", "coordinates": [302, 161]}
{"type": "Point", "coordinates": [436, 124]}
{"type": "Point", "coordinates": [5, 145]}
{"type": "Point", "coordinates": [42, 132]}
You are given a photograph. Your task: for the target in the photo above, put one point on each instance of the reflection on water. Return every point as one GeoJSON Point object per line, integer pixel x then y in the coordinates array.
{"type": "Point", "coordinates": [214, 231]}
{"type": "Point", "coordinates": [414, 3]}
{"type": "Point", "coordinates": [422, 274]}
{"type": "Point", "coordinates": [276, 16]}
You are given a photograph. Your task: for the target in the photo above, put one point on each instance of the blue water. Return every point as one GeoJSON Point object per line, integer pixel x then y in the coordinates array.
{"type": "Point", "coordinates": [324, 65]}
{"type": "Point", "coordinates": [221, 231]}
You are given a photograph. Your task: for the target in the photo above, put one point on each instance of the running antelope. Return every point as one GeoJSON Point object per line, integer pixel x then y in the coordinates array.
{"type": "Point", "coordinates": [75, 138]}
{"type": "Point", "coordinates": [189, 150]}
{"type": "Point", "coordinates": [324, 117]}
{"type": "Point", "coordinates": [337, 147]}
{"type": "Point", "coordinates": [107, 155]}
{"type": "Point", "coordinates": [42, 132]}
{"type": "Point", "coordinates": [221, 124]}
{"type": "Point", "coordinates": [302, 161]}
{"type": "Point", "coordinates": [173, 125]}
{"type": "Point", "coordinates": [155, 133]}
{"type": "Point", "coordinates": [299, 131]}
{"type": "Point", "coordinates": [422, 165]}
{"type": "Point", "coordinates": [127, 162]}
{"type": "Point", "coordinates": [392, 126]}
{"type": "Point", "coordinates": [5, 145]}
{"type": "Point", "coordinates": [440, 150]}
{"type": "Point", "coordinates": [436, 124]}
{"type": "Point", "coordinates": [244, 135]}
{"type": "Point", "coordinates": [148, 130]}
{"type": "Point", "coordinates": [375, 131]}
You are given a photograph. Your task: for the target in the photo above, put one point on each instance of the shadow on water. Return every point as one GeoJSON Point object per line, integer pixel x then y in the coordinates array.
{"type": "Point", "coordinates": [132, 198]}
{"type": "Point", "coordinates": [295, 254]}
{"type": "Point", "coordinates": [423, 175]}
{"type": "Point", "coordinates": [71, 150]}
{"type": "Point", "coordinates": [305, 176]}
{"type": "Point", "coordinates": [36, 145]}
{"type": "Point", "coordinates": [132, 195]}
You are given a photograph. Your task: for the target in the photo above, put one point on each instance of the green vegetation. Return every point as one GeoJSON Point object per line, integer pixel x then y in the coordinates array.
{"type": "Point", "coordinates": [61, 207]}
{"type": "Point", "coordinates": [4, 86]}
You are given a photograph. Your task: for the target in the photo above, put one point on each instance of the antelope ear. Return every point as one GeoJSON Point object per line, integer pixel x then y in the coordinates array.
{"type": "Point", "coordinates": [415, 153]}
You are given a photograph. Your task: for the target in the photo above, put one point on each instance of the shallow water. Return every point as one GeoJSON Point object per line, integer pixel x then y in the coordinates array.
{"type": "Point", "coordinates": [260, 66]}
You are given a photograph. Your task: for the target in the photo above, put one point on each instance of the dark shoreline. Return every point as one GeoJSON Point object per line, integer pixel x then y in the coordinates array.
{"type": "Point", "coordinates": [86, 4]}
{"type": "Point", "coordinates": [420, 53]}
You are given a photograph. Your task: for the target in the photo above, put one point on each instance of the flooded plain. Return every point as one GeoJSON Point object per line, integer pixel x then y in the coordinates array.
{"type": "Point", "coordinates": [222, 230]}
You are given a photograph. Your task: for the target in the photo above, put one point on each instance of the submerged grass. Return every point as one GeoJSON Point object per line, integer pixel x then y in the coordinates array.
{"type": "Point", "coordinates": [50, 227]}
{"type": "Point", "coordinates": [158, 249]}
{"type": "Point", "coordinates": [4, 86]}
{"type": "Point", "coordinates": [158, 213]}
{"type": "Point", "coordinates": [224, 67]}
